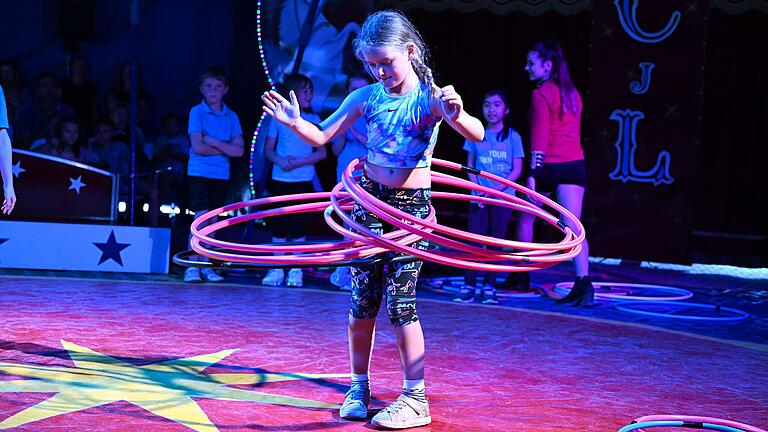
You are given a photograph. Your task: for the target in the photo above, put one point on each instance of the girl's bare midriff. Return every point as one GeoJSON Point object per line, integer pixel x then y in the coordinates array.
{"type": "Point", "coordinates": [404, 178]}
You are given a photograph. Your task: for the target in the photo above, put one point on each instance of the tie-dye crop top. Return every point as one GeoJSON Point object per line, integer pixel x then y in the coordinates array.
{"type": "Point", "coordinates": [402, 131]}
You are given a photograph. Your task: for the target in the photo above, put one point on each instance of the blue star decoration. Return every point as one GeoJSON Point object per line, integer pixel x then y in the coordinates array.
{"type": "Point", "coordinates": [17, 169]}
{"type": "Point", "coordinates": [111, 249]}
{"type": "Point", "coordinates": [76, 184]}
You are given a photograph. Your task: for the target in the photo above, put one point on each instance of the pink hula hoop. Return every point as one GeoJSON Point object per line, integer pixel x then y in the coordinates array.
{"type": "Point", "coordinates": [377, 207]}
{"type": "Point", "coordinates": [363, 243]}
{"type": "Point", "coordinates": [699, 419]}
{"type": "Point", "coordinates": [319, 253]}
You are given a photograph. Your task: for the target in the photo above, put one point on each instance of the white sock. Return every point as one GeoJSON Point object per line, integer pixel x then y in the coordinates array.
{"type": "Point", "coordinates": [415, 389]}
{"type": "Point", "coordinates": [364, 378]}
{"type": "Point", "coordinates": [414, 385]}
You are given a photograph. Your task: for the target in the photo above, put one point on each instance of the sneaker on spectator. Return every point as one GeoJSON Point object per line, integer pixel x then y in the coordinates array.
{"type": "Point", "coordinates": [466, 295]}
{"type": "Point", "coordinates": [295, 278]}
{"type": "Point", "coordinates": [489, 295]}
{"type": "Point", "coordinates": [404, 412]}
{"type": "Point", "coordinates": [274, 277]}
{"type": "Point", "coordinates": [211, 276]}
{"type": "Point", "coordinates": [355, 405]}
{"type": "Point", "coordinates": [192, 275]}
{"type": "Point", "coordinates": [341, 277]}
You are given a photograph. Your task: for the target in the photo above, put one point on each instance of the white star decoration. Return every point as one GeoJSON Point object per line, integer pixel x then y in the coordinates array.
{"type": "Point", "coordinates": [17, 169]}
{"type": "Point", "coordinates": [76, 184]}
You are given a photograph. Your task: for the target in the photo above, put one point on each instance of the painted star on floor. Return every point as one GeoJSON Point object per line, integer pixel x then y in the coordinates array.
{"type": "Point", "coordinates": [165, 389]}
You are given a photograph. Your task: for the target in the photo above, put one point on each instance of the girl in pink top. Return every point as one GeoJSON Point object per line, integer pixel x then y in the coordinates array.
{"type": "Point", "coordinates": [557, 160]}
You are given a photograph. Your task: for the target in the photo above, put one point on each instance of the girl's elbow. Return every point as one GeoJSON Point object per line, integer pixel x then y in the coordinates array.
{"type": "Point", "coordinates": [476, 133]}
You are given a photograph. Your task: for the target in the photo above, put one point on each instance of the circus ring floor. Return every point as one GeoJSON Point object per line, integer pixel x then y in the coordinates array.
{"type": "Point", "coordinates": [111, 354]}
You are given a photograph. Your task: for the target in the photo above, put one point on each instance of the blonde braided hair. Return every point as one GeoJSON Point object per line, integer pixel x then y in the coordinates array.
{"type": "Point", "coordinates": [392, 28]}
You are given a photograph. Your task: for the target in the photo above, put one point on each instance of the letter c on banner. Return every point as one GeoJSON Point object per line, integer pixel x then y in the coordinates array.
{"type": "Point", "coordinates": [628, 18]}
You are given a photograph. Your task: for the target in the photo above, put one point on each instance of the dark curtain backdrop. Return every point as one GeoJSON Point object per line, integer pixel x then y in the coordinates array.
{"type": "Point", "coordinates": [730, 226]}
{"type": "Point", "coordinates": [642, 135]}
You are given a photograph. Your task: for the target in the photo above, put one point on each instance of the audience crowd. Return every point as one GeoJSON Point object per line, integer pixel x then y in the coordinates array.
{"type": "Point", "coordinates": [72, 117]}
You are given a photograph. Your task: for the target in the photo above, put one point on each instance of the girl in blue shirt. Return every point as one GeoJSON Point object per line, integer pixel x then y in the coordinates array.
{"type": "Point", "coordinates": [403, 110]}
{"type": "Point", "coordinates": [501, 153]}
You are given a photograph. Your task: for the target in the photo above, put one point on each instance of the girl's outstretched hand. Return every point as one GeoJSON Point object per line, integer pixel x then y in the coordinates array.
{"type": "Point", "coordinates": [10, 200]}
{"type": "Point", "coordinates": [284, 111]}
{"type": "Point", "coordinates": [450, 103]}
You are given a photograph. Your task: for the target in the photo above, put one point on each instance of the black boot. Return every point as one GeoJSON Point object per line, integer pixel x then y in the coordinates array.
{"type": "Point", "coordinates": [576, 294]}
{"type": "Point", "coordinates": [588, 296]}
{"type": "Point", "coordinates": [520, 282]}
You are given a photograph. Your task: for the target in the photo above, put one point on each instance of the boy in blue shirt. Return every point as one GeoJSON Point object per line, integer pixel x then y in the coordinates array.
{"type": "Point", "coordinates": [215, 136]}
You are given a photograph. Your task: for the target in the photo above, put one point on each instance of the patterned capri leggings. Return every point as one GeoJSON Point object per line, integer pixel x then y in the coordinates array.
{"type": "Point", "coordinates": [399, 279]}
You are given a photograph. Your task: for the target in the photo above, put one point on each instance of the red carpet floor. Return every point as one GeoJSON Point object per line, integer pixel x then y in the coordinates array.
{"type": "Point", "coordinates": [79, 355]}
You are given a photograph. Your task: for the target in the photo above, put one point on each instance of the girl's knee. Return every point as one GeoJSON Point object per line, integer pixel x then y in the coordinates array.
{"type": "Point", "coordinates": [403, 319]}
{"type": "Point", "coordinates": [363, 312]}
{"type": "Point", "coordinates": [366, 297]}
{"type": "Point", "coordinates": [401, 310]}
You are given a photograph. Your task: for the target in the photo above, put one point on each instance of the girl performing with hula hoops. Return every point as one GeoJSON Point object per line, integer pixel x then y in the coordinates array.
{"type": "Point", "coordinates": [403, 110]}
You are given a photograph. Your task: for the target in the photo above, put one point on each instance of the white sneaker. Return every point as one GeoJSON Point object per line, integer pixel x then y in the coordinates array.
{"type": "Point", "coordinates": [341, 276]}
{"type": "Point", "coordinates": [405, 412]}
{"type": "Point", "coordinates": [355, 405]}
{"type": "Point", "coordinates": [295, 278]}
{"type": "Point", "coordinates": [211, 276]}
{"type": "Point", "coordinates": [274, 277]}
{"type": "Point", "coordinates": [192, 275]}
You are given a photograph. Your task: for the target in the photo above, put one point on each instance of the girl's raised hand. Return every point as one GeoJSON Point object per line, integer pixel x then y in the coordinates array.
{"type": "Point", "coordinates": [284, 111]}
{"type": "Point", "coordinates": [450, 103]}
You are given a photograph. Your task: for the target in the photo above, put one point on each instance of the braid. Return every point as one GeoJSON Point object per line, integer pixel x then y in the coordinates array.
{"type": "Point", "coordinates": [423, 71]}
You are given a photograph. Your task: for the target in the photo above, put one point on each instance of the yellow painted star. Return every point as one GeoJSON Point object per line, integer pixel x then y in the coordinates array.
{"type": "Point", "coordinates": [165, 389]}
